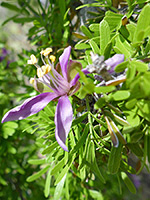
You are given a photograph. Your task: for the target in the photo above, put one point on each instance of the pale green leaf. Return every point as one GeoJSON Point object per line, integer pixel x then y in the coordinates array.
{"type": "Point", "coordinates": [114, 159]}
{"type": "Point", "coordinates": [47, 184]}
{"type": "Point", "coordinates": [38, 174]}
{"type": "Point", "coordinates": [128, 182]}
{"type": "Point", "coordinates": [104, 35]}
{"type": "Point", "coordinates": [94, 47]}
{"type": "Point", "coordinates": [120, 95]}
{"type": "Point", "coordinates": [59, 188]}
{"type": "Point", "coordinates": [142, 24]}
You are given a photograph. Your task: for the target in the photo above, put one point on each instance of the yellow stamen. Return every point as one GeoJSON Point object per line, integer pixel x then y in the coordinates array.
{"type": "Point", "coordinates": [40, 72]}
{"type": "Point", "coordinates": [52, 58]}
{"type": "Point", "coordinates": [33, 60]}
{"type": "Point", "coordinates": [46, 68]}
{"type": "Point", "coordinates": [31, 80]}
{"type": "Point", "coordinates": [46, 51]}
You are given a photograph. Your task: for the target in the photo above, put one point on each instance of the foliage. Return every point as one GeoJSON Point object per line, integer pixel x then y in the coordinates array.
{"type": "Point", "coordinates": [111, 121]}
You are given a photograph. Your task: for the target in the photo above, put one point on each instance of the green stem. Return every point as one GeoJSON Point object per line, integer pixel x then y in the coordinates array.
{"type": "Point", "coordinates": [89, 116]}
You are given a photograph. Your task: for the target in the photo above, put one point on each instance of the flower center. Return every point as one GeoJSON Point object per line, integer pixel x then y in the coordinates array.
{"type": "Point", "coordinates": [43, 70]}
{"type": "Point", "coordinates": [48, 75]}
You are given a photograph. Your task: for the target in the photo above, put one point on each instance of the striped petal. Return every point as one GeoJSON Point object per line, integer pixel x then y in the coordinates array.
{"type": "Point", "coordinates": [63, 59]}
{"type": "Point", "coordinates": [63, 120]}
{"type": "Point", "coordinates": [30, 107]}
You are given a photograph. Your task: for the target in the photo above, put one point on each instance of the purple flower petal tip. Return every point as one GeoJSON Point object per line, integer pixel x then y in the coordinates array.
{"type": "Point", "coordinates": [30, 107]}
{"type": "Point", "coordinates": [114, 61]}
{"type": "Point", "coordinates": [63, 59]}
{"type": "Point", "coordinates": [63, 120]}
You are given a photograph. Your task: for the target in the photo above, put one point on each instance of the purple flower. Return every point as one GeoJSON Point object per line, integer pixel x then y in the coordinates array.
{"type": "Point", "coordinates": [105, 69]}
{"type": "Point", "coordinates": [4, 52]}
{"type": "Point", "coordinates": [114, 61]}
{"type": "Point", "coordinates": [53, 84]}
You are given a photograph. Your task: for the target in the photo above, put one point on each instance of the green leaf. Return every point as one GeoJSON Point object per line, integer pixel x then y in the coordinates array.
{"type": "Point", "coordinates": [2, 181]}
{"type": "Point", "coordinates": [104, 35]}
{"type": "Point", "coordinates": [121, 67]}
{"type": "Point", "coordinates": [131, 29]}
{"type": "Point", "coordinates": [92, 5]}
{"type": "Point", "coordinates": [121, 120]}
{"type": "Point", "coordinates": [114, 159]}
{"type": "Point", "coordinates": [72, 139]}
{"type": "Point", "coordinates": [96, 39]}
{"type": "Point", "coordinates": [65, 169]}
{"type": "Point", "coordinates": [140, 66]}
{"type": "Point", "coordinates": [79, 36]}
{"type": "Point", "coordinates": [142, 1]}
{"type": "Point", "coordinates": [108, 47]}
{"type": "Point", "coordinates": [98, 120]}
{"type": "Point", "coordinates": [100, 103]}
{"type": "Point", "coordinates": [131, 72]}
{"type": "Point", "coordinates": [42, 8]}
{"type": "Point", "coordinates": [131, 103]}
{"type": "Point", "coordinates": [94, 47]}
{"type": "Point", "coordinates": [12, 125]}
{"type": "Point", "coordinates": [81, 140]}
{"type": "Point", "coordinates": [23, 19]}
{"type": "Point", "coordinates": [104, 89]}
{"type": "Point", "coordinates": [128, 182]}
{"type": "Point", "coordinates": [147, 48]}
{"type": "Point", "coordinates": [58, 166]}
{"type": "Point", "coordinates": [142, 24]}
{"type": "Point", "coordinates": [38, 174]}
{"type": "Point", "coordinates": [132, 118]}
{"type": "Point", "coordinates": [113, 19]}
{"type": "Point", "coordinates": [135, 137]}
{"type": "Point", "coordinates": [109, 2]}
{"type": "Point", "coordinates": [144, 109]}
{"type": "Point", "coordinates": [130, 2]}
{"type": "Point", "coordinates": [82, 46]}
{"type": "Point", "coordinates": [9, 19]}
{"type": "Point", "coordinates": [107, 50]}
{"type": "Point", "coordinates": [50, 148]}
{"type": "Point", "coordinates": [124, 32]}
{"type": "Point", "coordinates": [125, 167]}
{"type": "Point", "coordinates": [10, 6]}
{"type": "Point", "coordinates": [94, 27]}
{"type": "Point", "coordinates": [62, 7]}
{"type": "Point", "coordinates": [59, 188]}
{"type": "Point", "coordinates": [86, 32]}
{"type": "Point", "coordinates": [7, 131]}
{"type": "Point", "coordinates": [123, 47]}
{"type": "Point", "coordinates": [120, 95]}
{"type": "Point", "coordinates": [37, 161]}
{"type": "Point", "coordinates": [47, 184]}
{"type": "Point", "coordinates": [96, 194]}
{"type": "Point", "coordinates": [86, 89]}
{"type": "Point", "coordinates": [12, 150]}
{"type": "Point", "coordinates": [79, 119]}
{"type": "Point", "coordinates": [91, 161]}
{"type": "Point", "coordinates": [136, 149]}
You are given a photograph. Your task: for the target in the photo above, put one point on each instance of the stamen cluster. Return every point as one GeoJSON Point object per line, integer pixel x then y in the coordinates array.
{"type": "Point", "coordinates": [47, 75]}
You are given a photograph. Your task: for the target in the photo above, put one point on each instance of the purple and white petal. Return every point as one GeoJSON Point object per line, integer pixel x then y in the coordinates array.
{"type": "Point", "coordinates": [63, 120]}
{"type": "Point", "coordinates": [114, 61]}
{"type": "Point", "coordinates": [63, 59]}
{"type": "Point", "coordinates": [30, 107]}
